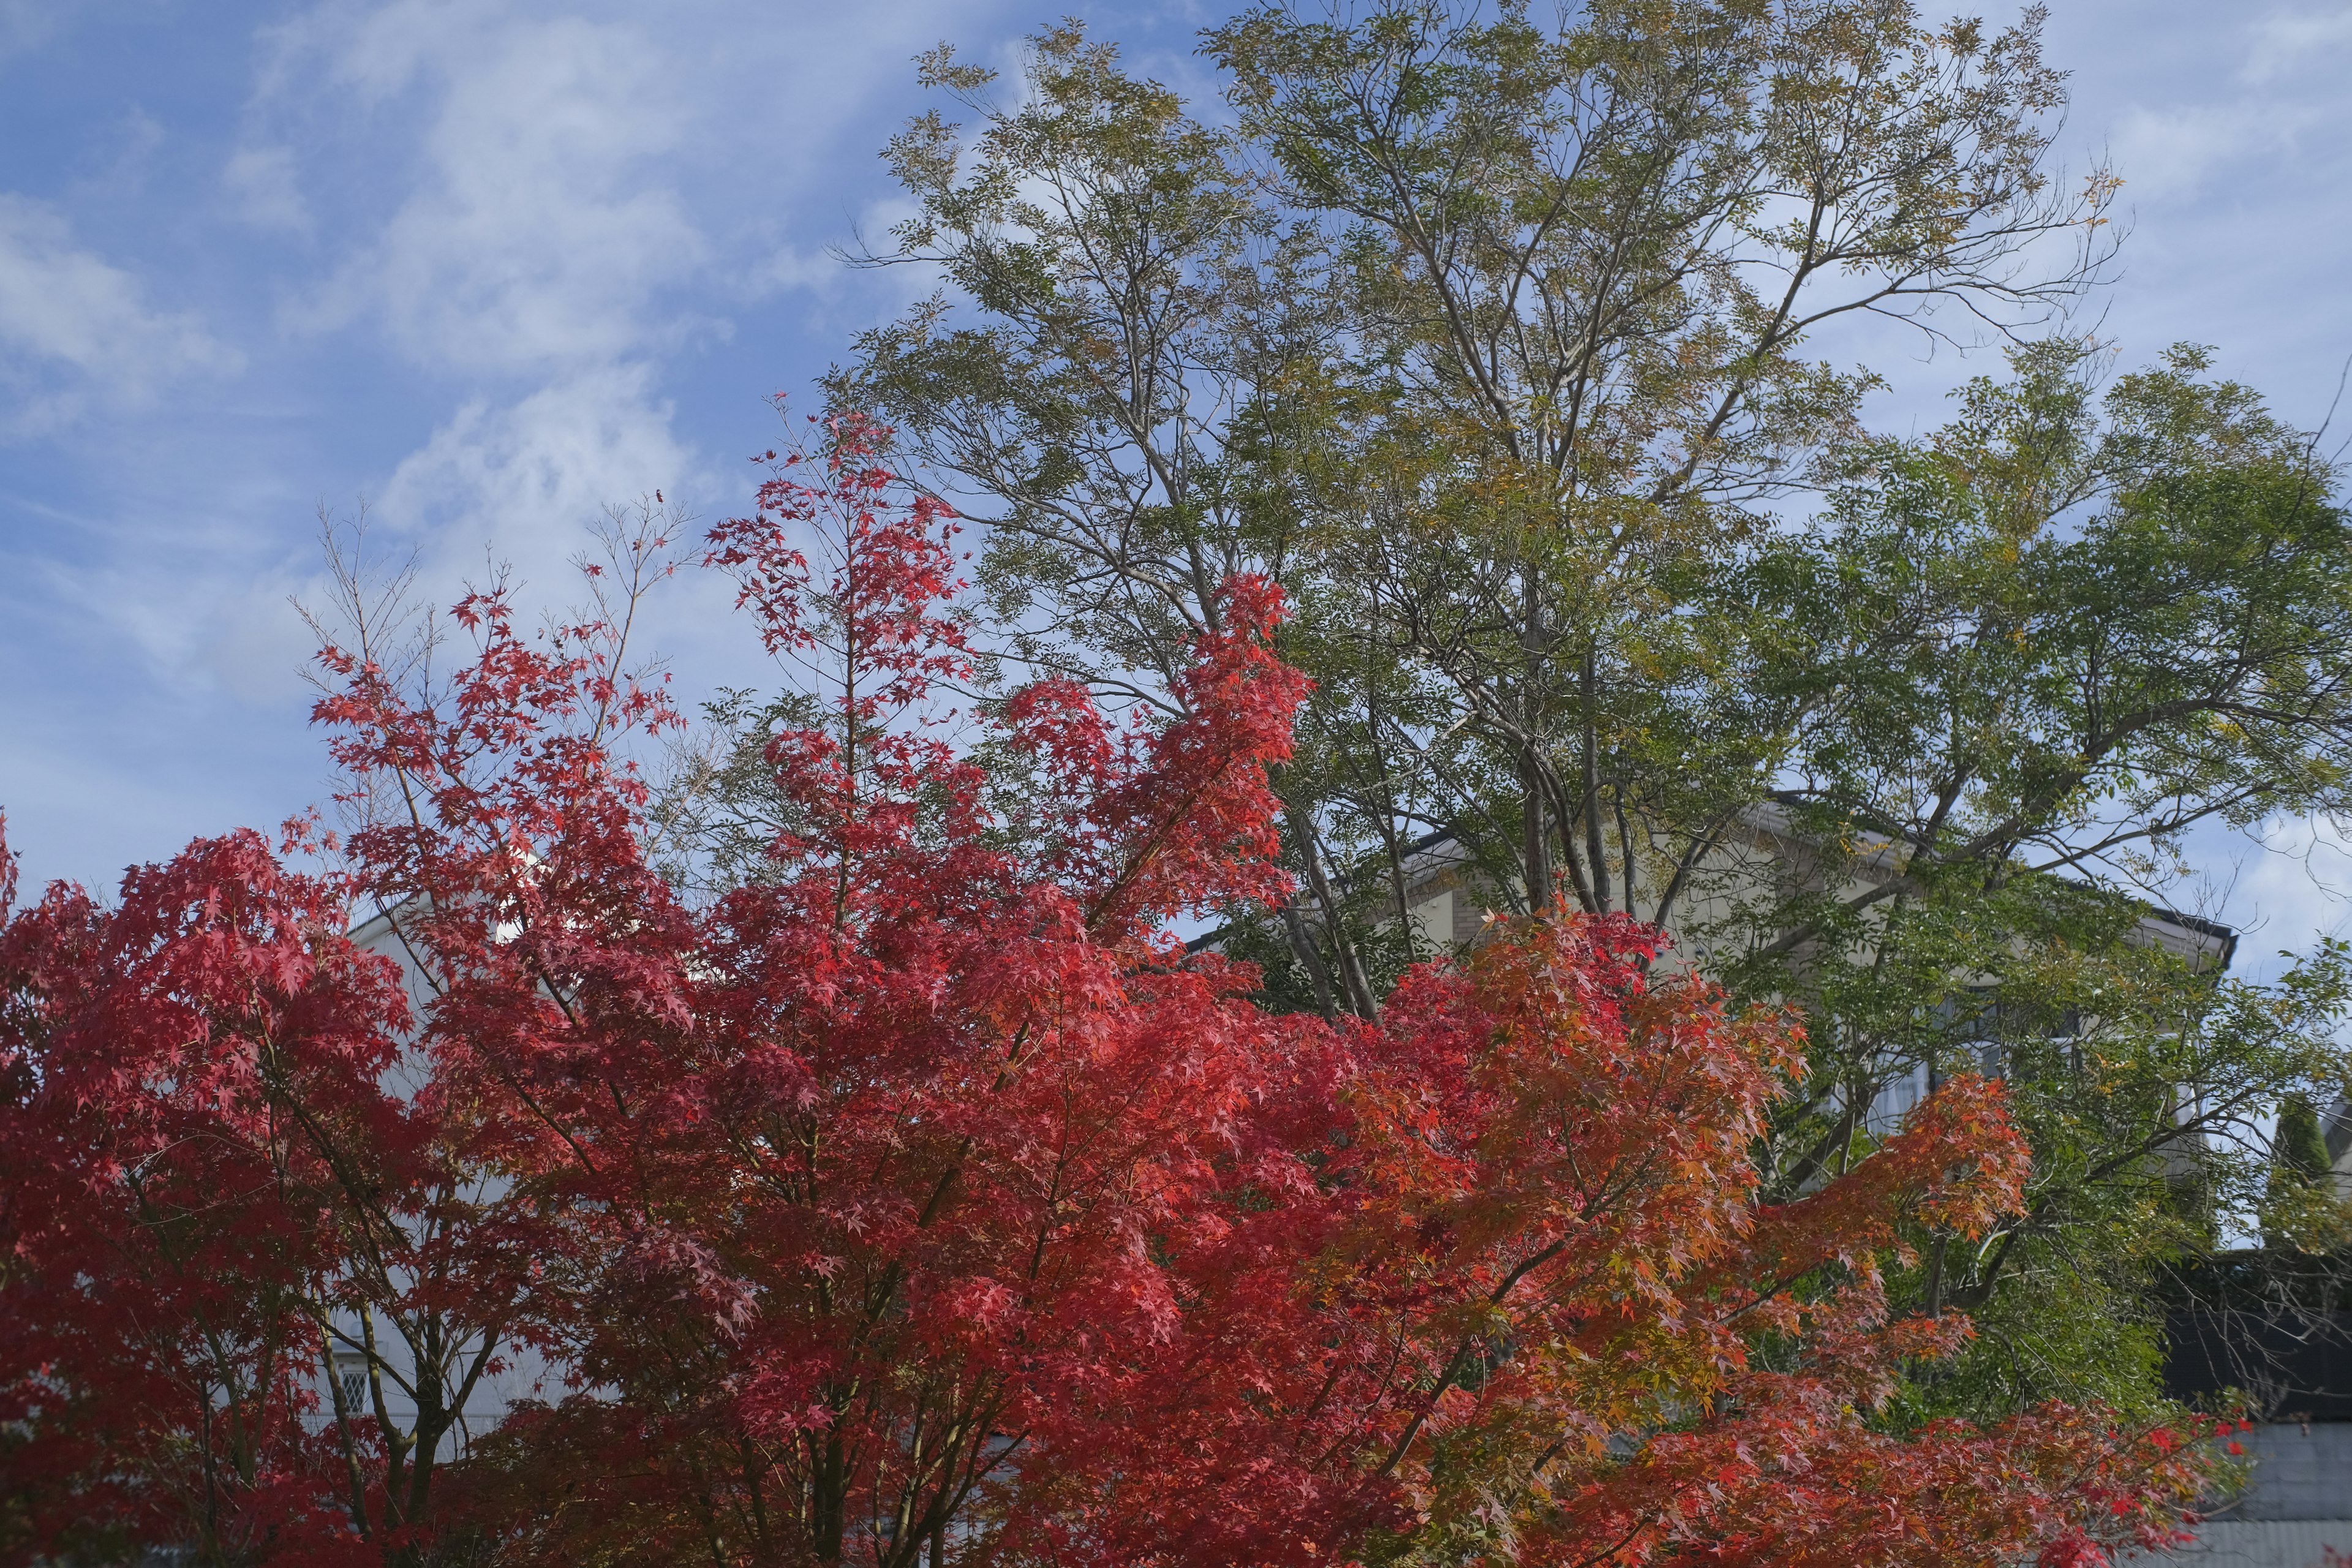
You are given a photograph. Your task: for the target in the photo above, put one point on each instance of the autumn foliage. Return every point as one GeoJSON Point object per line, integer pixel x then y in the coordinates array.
{"type": "Point", "coordinates": [922, 1199]}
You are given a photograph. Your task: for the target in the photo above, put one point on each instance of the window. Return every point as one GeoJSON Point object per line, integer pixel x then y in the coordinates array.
{"type": "Point", "coordinates": [352, 1382]}
{"type": "Point", "coordinates": [1895, 1099]}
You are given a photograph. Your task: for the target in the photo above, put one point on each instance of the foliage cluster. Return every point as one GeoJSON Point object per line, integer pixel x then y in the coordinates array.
{"type": "Point", "coordinates": [921, 1198]}
{"type": "Point", "coordinates": [1504, 340]}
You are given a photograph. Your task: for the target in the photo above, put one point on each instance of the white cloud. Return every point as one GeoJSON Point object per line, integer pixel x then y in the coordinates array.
{"type": "Point", "coordinates": [539, 234]}
{"type": "Point", "coordinates": [26, 25]}
{"type": "Point", "coordinates": [2283, 98]}
{"type": "Point", "coordinates": [789, 267]}
{"type": "Point", "coordinates": [264, 190]}
{"type": "Point", "coordinates": [2174, 152]}
{"type": "Point", "coordinates": [210, 608]}
{"type": "Point", "coordinates": [2288, 42]}
{"type": "Point", "coordinates": [526, 476]}
{"type": "Point", "coordinates": [548, 212]}
{"type": "Point", "coordinates": [2295, 889]}
{"type": "Point", "coordinates": [73, 326]}
{"type": "Point", "coordinates": [520, 231]}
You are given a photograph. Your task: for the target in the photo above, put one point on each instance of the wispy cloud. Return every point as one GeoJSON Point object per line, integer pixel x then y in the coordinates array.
{"type": "Point", "coordinates": [75, 329]}
{"type": "Point", "coordinates": [2281, 100]}
{"type": "Point", "coordinates": [2290, 42]}
{"type": "Point", "coordinates": [264, 189]}
{"type": "Point", "coordinates": [2297, 887]}
{"type": "Point", "coordinates": [494, 263]}
{"type": "Point", "coordinates": [28, 24]}
{"type": "Point", "coordinates": [539, 229]}
{"type": "Point", "coordinates": [2177, 152]}
{"type": "Point", "coordinates": [522, 478]}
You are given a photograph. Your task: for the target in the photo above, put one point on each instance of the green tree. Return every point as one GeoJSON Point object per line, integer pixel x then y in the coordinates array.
{"type": "Point", "coordinates": [2302, 1208]}
{"type": "Point", "coordinates": [2299, 1148]}
{"type": "Point", "coordinates": [1498, 341]}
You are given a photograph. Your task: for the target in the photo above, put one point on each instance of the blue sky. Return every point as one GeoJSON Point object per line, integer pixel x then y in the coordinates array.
{"type": "Point", "coordinates": [491, 265]}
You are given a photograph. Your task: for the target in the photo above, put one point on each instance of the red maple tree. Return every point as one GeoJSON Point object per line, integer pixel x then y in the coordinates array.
{"type": "Point", "coordinates": [922, 1197]}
